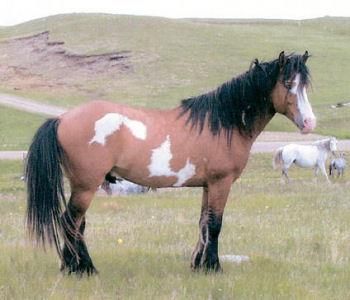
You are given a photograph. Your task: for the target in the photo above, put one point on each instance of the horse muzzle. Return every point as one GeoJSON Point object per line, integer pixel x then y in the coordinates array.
{"type": "Point", "coordinates": [308, 125]}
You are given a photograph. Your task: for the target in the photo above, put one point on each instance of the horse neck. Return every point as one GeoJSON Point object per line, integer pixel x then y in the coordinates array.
{"type": "Point", "coordinates": [260, 125]}
{"type": "Point", "coordinates": [324, 146]}
{"type": "Point", "coordinates": [247, 140]}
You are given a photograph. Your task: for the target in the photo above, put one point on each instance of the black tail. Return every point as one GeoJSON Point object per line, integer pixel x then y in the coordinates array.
{"type": "Point", "coordinates": [45, 188]}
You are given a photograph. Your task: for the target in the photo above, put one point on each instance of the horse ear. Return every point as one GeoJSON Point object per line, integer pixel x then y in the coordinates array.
{"type": "Point", "coordinates": [282, 59]}
{"type": "Point", "coordinates": [305, 56]}
{"type": "Point", "coordinates": [254, 63]}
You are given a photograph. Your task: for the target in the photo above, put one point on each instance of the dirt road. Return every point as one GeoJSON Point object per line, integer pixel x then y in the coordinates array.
{"type": "Point", "coordinates": [30, 105]}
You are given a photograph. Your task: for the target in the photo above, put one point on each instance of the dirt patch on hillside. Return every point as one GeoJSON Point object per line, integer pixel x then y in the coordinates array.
{"type": "Point", "coordinates": [37, 62]}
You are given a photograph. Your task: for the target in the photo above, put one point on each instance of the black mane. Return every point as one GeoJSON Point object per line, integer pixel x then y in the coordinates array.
{"type": "Point", "coordinates": [238, 103]}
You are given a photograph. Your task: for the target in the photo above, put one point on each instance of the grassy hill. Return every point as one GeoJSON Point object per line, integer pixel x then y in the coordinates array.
{"type": "Point", "coordinates": [174, 59]}
{"type": "Point", "coordinates": [17, 128]}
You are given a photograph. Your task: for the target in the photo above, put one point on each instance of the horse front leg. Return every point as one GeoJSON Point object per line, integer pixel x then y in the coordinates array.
{"type": "Point", "coordinates": [322, 167]}
{"type": "Point", "coordinates": [198, 251]}
{"type": "Point", "coordinates": [75, 256]}
{"type": "Point", "coordinates": [205, 256]}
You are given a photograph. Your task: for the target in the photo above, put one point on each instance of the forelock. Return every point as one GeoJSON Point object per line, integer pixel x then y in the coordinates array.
{"type": "Point", "coordinates": [295, 65]}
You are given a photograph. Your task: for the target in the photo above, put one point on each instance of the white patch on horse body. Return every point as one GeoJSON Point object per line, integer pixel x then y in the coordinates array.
{"type": "Point", "coordinates": [160, 160]}
{"type": "Point", "coordinates": [160, 164]}
{"type": "Point", "coordinates": [111, 122]}
{"type": "Point", "coordinates": [185, 173]}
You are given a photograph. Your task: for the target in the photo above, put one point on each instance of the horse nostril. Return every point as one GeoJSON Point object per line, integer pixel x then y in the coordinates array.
{"type": "Point", "coordinates": [308, 125]}
{"type": "Point", "coordinates": [310, 122]}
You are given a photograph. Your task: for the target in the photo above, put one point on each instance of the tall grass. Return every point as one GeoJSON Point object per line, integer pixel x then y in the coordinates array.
{"type": "Point", "coordinates": [296, 235]}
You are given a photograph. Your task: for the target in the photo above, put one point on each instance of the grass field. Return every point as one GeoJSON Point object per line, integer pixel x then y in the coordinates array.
{"type": "Point", "coordinates": [297, 237]}
{"type": "Point", "coordinates": [17, 128]}
{"type": "Point", "coordinates": [174, 59]}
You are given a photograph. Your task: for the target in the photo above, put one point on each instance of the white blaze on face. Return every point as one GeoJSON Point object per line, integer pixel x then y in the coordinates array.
{"type": "Point", "coordinates": [160, 164]}
{"type": "Point", "coordinates": [307, 116]}
{"type": "Point", "coordinates": [111, 122]}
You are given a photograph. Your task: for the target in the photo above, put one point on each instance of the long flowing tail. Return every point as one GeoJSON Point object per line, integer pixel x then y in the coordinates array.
{"type": "Point", "coordinates": [277, 159]}
{"type": "Point", "coordinates": [45, 189]}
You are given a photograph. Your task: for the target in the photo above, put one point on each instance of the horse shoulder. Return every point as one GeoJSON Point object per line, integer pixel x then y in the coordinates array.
{"type": "Point", "coordinates": [322, 154]}
{"type": "Point", "coordinates": [223, 160]}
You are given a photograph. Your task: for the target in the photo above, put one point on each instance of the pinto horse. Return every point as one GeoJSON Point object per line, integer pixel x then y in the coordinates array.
{"type": "Point", "coordinates": [204, 142]}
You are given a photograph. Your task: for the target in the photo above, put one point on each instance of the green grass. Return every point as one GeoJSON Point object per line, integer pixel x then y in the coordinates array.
{"type": "Point", "coordinates": [17, 128]}
{"type": "Point", "coordinates": [174, 59]}
{"type": "Point", "coordinates": [296, 235]}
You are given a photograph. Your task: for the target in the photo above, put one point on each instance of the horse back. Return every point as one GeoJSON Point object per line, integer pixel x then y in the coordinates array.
{"type": "Point", "coordinates": [99, 135]}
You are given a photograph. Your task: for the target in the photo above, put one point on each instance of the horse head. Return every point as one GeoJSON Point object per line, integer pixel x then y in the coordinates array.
{"type": "Point", "coordinates": [333, 145]}
{"type": "Point", "coordinates": [328, 144]}
{"type": "Point", "coordinates": [289, 95]}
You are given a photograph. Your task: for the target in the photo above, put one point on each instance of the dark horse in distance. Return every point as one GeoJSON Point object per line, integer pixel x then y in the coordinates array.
{"type": "Point", "coordinates": [204, 142]}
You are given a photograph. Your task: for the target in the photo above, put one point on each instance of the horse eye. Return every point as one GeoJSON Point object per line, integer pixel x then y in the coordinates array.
{"type": "Point", "coordinates": [288, 84]}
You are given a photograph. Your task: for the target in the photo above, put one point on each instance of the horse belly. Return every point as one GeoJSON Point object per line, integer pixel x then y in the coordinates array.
{"type": "Point", "coordinates": [148, 170]}
{"type": "Point", "coordinates": [307, 159]}
{"type": "Point", "coordinates": [305, 163]}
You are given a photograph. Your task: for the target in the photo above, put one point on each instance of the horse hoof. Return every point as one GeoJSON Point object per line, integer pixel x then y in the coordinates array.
{"type": "Point", "coordinates": [207, 268]}
{"type": "Point", "coordinates": [214, 269]}
{"type": "Point", "coordinates": [79, 269]}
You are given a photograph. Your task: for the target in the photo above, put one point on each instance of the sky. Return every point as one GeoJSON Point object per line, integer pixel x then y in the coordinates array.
{"type": "Point", "coordinates": [17, 11]}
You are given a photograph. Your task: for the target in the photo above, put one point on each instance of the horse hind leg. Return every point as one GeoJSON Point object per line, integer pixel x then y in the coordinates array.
{"type": "Point", "coordinates": [285, 174]}
{"type": "Point", "coordinates": [75, 256]}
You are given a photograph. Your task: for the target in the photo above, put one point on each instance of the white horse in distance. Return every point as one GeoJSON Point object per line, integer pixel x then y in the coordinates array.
{"type": "Point", "coordinates": [305, 156]}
